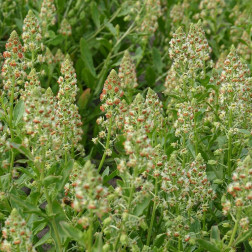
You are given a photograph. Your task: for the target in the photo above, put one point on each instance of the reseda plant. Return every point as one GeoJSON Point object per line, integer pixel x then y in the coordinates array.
{"type": "Point", "coordinates": [108, 145]}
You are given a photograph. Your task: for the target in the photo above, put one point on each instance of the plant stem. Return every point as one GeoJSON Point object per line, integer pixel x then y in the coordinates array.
{"type": "Point", "coordinates": [65, 140]}
{"type": "Point", "coordinates": [179, 243]}
{"type": "Point", "coordinates": [11, 124]}
{"type": "Point", "coordinates": [107, 144]}
{"type": "Point", "coordinates": [204, 221]}
{"type": "Point", "coordinates": [132, 188]}
{"type": "Point", "coordinates": [184, 157]}
{"type": "Point", "coordinates": [50, 209]}
{"type": "Point", "coordinates": [229, 143]}
{"type": "Point", "coordinates": [90, 234]}
{"type": "Point", "coordinates": [238, 216]}
{"type": "Point", "coordinates": [104, 69]}
{"type": "Point", "coordinates": [195, 137]}
{"type": "Point", "coordinates": [104, 25]}
{"type": "Point", "coordinates": [153, 213]}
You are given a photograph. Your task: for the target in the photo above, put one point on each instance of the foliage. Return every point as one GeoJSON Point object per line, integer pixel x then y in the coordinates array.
{"type": "Point", "coordinates": [125, 125]}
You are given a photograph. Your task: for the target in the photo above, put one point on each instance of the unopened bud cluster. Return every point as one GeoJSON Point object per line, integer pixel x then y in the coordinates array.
{"type": "Point", "coordinates": [190, 53]}
{"type": "Point", "coordinates": [32, 34]}
{"type": "Point", "coordinates": [13, 69]}
{"type": "Point", "coordinates": [90, 195]}
{"type": "Point", "coordinates": [47, 15]}
{"type": "Point", "coordinates": [210, 10]}
{"type": "Point", "coordinates": [65, 28]}
{"type": "Point", "coordinates": [235, 88]}
{"type": "Point", "coordinates": [15, 234]}
{"type": "Point", "coordinates": [145, 13]}
{"type": "Point", "coordinates": [240, 189]}
{"type": "Point", "coordinates": [177, 13]}
{"type": "Point", "coordinates": [127, 72]}
{"type": "Point", "coordinates": [67, 112]}
{"type": "Point", "coordinates": [186, 188]}
{"type": "Point", "coordinates": [113, 106]}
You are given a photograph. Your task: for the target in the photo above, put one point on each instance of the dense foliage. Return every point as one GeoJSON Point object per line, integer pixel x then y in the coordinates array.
{"type": "Point", "coordinates": [125, 125]}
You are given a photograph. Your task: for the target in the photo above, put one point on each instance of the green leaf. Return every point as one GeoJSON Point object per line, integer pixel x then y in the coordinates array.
{"type": "Point", "coordinates": [209, 246]}
{"type": "Point", "coordinates": [43, 240]}
{"type": "Point", "coordinates": [159, 240]}
{"type": "Point", "coordinates": [65, 175]}
{"type": "Point", "coordinates": [18, 112]}
{"type": "Point", "coordinates": [27, 206]}
{"type": "Point", "coordinates": [87, 56]}
{"type": "Point", "coordinates": [157, 60]}
{"type": "Point", "coordinates": [55, 40]}
{"type": "Point", "coordinates": [139, 209]}
{"type": "Point", "coordinates": [244, 237]}
{"type": "Point", "coordinates": [51, 179]}
{"type": "Point", "coordinates": [95, 14]}
{"type": "Point", "coordinates": [105, 172]}
{"type": "Point", "coordinates": [4, 181]}
{"type": "Point", "coordinates": [215, 233]}
{"type": "Point", "coordinates": [111, 28]}
{"type": "Point", "coordinates": [22, 150]}
{"type": "Point", "coordinates": [109, 177]}
{"type": "Point", "coordinates": [73, 233]}
{"type": "Point", "coordinates": [244, 131]}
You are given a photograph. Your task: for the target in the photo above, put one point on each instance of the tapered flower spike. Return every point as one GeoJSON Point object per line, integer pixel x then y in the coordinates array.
{"type": "Point", "coordinates": [59, 56]}
{"type": "Point", "coordinates": [235, 87]}
{"type": "Point", "coordinates": [90, 195]}
{"type": "Point", "coordinates": [127, 72]}
{"type": "Point", "coordinates": [16, 235]}
{"type": "Point", "coordinates": [32, 34]}
{"type": "Point", "coordinates": [240, 189]}
{"type": "Point", "coordinates": [111, 94]}
{"type": "Point", "coordinates": [67, 112]}
{"type": "Point", "coordinates": [13, 66]}
{"type": "Point", "coordinates": [245, 50]}
{"type": "Point", "coordinates": [178, 47]}
{"type": "Point", "coordinates": [172, 84]}
{"type": "Point", "coordinates": [65, 28]}
{"type": "Point", "coordinates": [49, 56]}
{"type": "Point", "coordinates": [67, 82]}
{"type": "Point", "coordinates": [47, 15]}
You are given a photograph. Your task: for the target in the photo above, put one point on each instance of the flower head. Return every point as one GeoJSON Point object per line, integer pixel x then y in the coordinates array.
{"type": "Point", "coordinates": [65, 28]}
{"type": "Point", "coordinates": [47, 15]}
{"type": "Point", "coordinates": [13, 66]}
{"type": "Point", "coordinates": [90, 195]}
{"type": "Point", "coordinates": [127, 72]}
{"type": "Point", "coordinates": [32, 33]}
{"type": "Point", "coordinates": [16, 235]}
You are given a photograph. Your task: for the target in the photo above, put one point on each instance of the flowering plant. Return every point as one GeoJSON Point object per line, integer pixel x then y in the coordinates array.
{"type": "Point", "coordinates": [125, 126]}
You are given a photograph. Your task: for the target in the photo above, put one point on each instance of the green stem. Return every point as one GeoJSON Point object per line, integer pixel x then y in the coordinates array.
{"type": "Point", "coordinates": [204, 221]}
{"type": "Point", "coordinates": [184, 155]}
{"type": "Point", "coordinates": [179, 244]}
{"type": "Point", "coordinates": [229, 144]}
{"type": "Point", "coordinates": [132, 188]}
{"type": "Point", "coordinates": [104, 69]}
{"type": "Point", "coordinates": [195, 136]}
{"type": "Point", "coordinates": [153, 213]}
{"type": "Point", "coordinates": [65, 140]}
{"type": "Point", "coordinates": [104, 25]}
{"type": "Point", "coordinates": [11, 124]}
{"type": "Point", "coordinates": [238, 216]}
{"type": "Point", "coordinates": [50, 209]}
{"type": "Point", "coordinates": [107, 144]}
{"type": "Point", "coordinates": [90, 235]}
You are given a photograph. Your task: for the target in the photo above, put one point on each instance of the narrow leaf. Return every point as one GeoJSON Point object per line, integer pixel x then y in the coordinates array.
{"type": "Point", "coordinates": [209, 246]}
{"type": "Point", "coordinates": [87, 56]}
